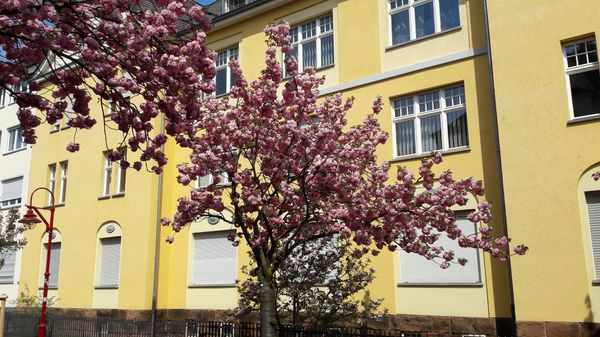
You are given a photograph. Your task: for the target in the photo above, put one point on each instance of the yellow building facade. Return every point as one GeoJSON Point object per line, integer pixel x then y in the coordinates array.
{"type": "Point", "coordinates": [428, 60]}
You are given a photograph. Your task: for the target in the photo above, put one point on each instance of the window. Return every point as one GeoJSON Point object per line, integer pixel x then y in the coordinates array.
{"type": "Point", "coordinates": [109, 264]}
{"type": "Point", "coordinates": [215, 259]}
{"type": "Point", "coordinates": [54, 264]}
{"type": "Point", "coordinates": [7, 272]}
{"type": "Point", "coordinates": [208, 180]}
{"type": "Point", "coordinates": [108, 175]}
{"type": "Point", "coordinates": [63, 182]}
{"type": "Point", "coordinates": [65, 122]}
{"type": "Point", "coordinates": [416, 269]}
{"type": "Point", "coordinates": [430, 121]}
{"type": "Point", "coordinates": [224, 77]}
{"type": "Point", "coordinates": [312, 43]}
{"type": "Point", "coordinates": [593, 208]}
{"type": "Point", "coordinates": [229, 5]}
{"type": "Point", "coordinates": [413, 19]}
{"type": "Point", "coordinates": [12, 190]}
{"type": "Point", "coordinates": [583, 77]}
{"type": "Point", "coordinates": [2, 97]}
{"type": "Point", "coordinates": [51, 180]}
{"type": "Point", "coordinates": [17, 88]}
{"type": "Point", "coordinates": [15, 139]}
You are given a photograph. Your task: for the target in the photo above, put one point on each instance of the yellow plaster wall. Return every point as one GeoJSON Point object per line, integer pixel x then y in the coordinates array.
{"type": "Point", "coordinates": [82, 215]}
{"type": "Point", "coordinates": [543, 156]}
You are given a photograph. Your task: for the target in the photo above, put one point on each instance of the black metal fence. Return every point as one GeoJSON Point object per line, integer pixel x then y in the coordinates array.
{"type": "Point", "coordinates": [25, 324]}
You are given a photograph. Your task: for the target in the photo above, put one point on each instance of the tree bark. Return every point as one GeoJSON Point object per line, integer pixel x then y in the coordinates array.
{"type": "Point", "coordinates": [268, 304]}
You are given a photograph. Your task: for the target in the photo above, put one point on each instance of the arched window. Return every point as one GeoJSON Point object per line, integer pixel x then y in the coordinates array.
{"type": "Point", "coordinates": [109, 256]}
{"type": "Point", "coordinates": [589, 197]}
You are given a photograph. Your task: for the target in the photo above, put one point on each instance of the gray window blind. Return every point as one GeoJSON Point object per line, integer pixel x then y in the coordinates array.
{"type": "Point", "coordinates": [214, 259]}
{"type": "Point", "coordinates": [593, 205]}
{"type": "Point", "coordinates": [109, 266]}
{"type": "Point", "coordinates": [54, 264]}
{"type": "Point", "coordinates": [415, 268]}
{"type": "Point", "coordinates": [7, 272]}
{"type": "Point", "coordinates": [12, 188]}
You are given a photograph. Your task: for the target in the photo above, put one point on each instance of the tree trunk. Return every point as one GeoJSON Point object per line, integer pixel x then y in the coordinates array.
{"type": "Point", "coordinates": [268, 307]}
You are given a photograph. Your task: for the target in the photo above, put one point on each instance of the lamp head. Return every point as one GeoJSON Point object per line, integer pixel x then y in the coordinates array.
{"type": "Point", "coordinates": [29, 220]}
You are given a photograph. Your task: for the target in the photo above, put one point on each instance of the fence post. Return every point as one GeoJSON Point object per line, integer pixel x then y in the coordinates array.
{"type": "Point", "coordinates": [3, 298]}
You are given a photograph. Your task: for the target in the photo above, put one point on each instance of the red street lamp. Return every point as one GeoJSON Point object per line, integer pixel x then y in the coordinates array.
{"type": "Point", "coordinates": [30, 220]}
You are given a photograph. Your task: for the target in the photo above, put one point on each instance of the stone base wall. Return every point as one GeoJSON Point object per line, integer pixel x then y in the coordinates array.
{"type": "Point", "coordinates": [558, 329]}
{"type": "Point", "coordinates": [440, 325]}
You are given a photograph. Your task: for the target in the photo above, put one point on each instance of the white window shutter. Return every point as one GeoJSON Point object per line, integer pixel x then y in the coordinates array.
{"type": "Point", "coordinates": [593, 205]}
{"type": "Point", "coordinates": [109, 266]}
{"type": "Point", "coordinates": [7, 272]}
{"type": "Point", "coordinates": [415, 268]}
{"type": "Point", "coordinates": [214, 259]}
{"type": "Point", "coordinates": [12, 188]}
{"type": "Point", "coordinates": [54, 264]}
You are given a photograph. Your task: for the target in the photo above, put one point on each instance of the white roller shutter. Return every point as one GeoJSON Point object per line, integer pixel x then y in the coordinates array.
{"type": "Point", "coordinates": [12, 188]}
{"type": "Point", "coordinates": [214, 259]}
{"type": "Point", "coordinates": [7, 272]}
{"type": "Point", "coordinates": [593, 205]}
{"type": "Point", "coordinates": [416, 269]}
{"type": "Point", "coordinates": [54, 264]}
{"type": "Point", "coordinates": [109, 266]}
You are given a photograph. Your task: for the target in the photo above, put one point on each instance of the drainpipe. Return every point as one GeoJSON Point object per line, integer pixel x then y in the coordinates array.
{"type": "Point", "coordinates": [499, 159]}
{"type": "Point", "coordinates": [157, 239]}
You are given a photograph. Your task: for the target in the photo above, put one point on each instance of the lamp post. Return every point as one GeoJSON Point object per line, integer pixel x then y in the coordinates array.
{"type": "Point", "coordinates": [30, 220]}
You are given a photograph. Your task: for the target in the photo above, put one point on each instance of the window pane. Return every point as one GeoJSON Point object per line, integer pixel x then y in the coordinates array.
{"type": "Point", "coordinates": [457, 129]}
{"type": "Point", "coordinates": [431, 133]}
{"type": "Point", "coordinates": [309, 54]}
{"type": "Point", "coordinates": [424, 20]}
{"type": "Point", "coordinates": [403, 107]}
{"type": "Point", "coordinates": [449, 16]}
{"type": "Point", "coordinates": [221, 81]}
{"type": "Point", "coordinates": [405, 138]}
{"type": "Point", "coordinates": [585, 93]}
{"type": "Point", "coordinates": [327, 50]}
{"type": "Point", "coordinates": [400, 27]}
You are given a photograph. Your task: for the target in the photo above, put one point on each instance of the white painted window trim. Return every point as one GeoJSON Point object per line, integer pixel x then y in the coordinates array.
{"type": "Point", "coordinates": [442, 111]}
{"type": "Point", "coordinates": [410, 7]}
{"type": "Point", "coordinates": [14, 143]}
{"type": "Point", "coordinates": [106, 181]}
{"type": "Point", "coordinates": [64, 168]}
{"type": "Point", "coordinates": [230, 54]}
{"type": "Point", "coordinates": [297, 45]}
{"type": "Point", "coordinates": [577, 70]}
{"type": "Point", "coordinates": [51, 181]}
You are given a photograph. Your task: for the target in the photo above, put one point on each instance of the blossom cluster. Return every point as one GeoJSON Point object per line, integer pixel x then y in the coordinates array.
{"type": "Point", "coordinates": [72, 53]}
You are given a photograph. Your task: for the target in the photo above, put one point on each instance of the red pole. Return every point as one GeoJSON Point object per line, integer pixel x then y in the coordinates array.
{"type": "Point", "coordinates": [49, 229]}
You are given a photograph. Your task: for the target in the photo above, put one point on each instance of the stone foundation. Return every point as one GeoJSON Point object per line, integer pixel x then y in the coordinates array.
{"type": "Point", "coordinates": [558, 329]}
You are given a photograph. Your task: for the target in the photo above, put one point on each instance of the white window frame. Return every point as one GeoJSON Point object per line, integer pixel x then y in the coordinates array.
{"type": "Point", "coordinates": [590, 66]}
{"type": "Point", "coordinates": [121, 175]}
{"type": "Point", "coordinates": [410, 7]}
{"type": "Point", "coordinates": [107, 179]}
{"type": "Point", "coordinates": [17, 88]}
{"type": "Point", "coordinates": [51, 181]}
{"type": "Point", "coordinates": [228, 8]}
{"type": "Point", "coordinates": [13, 202]}
{"type": "Point", "coordinates": [64, 168]}
{"type": "Point", "coordinates": [11, 146]}
{"type": "Point", "coordinates": [298, 41]}
{"type": "Point", "coordinates": [232, 52]}
{"type": "Point", "coordinates": [3, 95]}
{"type": "Point", "coordinates": [417, 115]}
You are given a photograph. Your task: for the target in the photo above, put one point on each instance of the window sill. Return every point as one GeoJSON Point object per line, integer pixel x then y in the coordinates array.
{"type": "Point", "coordinates": [583, 119]}
{"type": "Point", "coordinates": [10, 206]}
{"type": "Point", "coordinates": [111, 287]}
{"type": "Point", "coordinates": [118, 195]}
{"type": "Point", "coordinates": [49, 288]}
{"type": "Point", "coordinates": [442, 285]}
{"type": "Point", "coordinates": [422, 38]}
{"type": "Point", "coordinates": [6, 283]}
{"type": "Point", "coordinates": [60, 204]}
{"type": "Point", "coordinates": [15, 151]}
{"type": "Point", "coordinates": [224, 285]}
{"type": "Point", "coordinates": [286, 78]}
{"type": "Point", "coordinates": [104, 197]}
{"type": "Point", "coordinates": [425, 155]}
{"type": "Point", "coordinates": [54, 131]}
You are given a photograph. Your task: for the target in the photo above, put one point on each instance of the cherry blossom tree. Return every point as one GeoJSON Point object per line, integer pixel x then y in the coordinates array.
{"type": "Point", "coordinates": [298, 173]}
{"type": "Point", "coordinates": [11, 238]}
{"type": "Point", "coordinates": [138, 58]}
